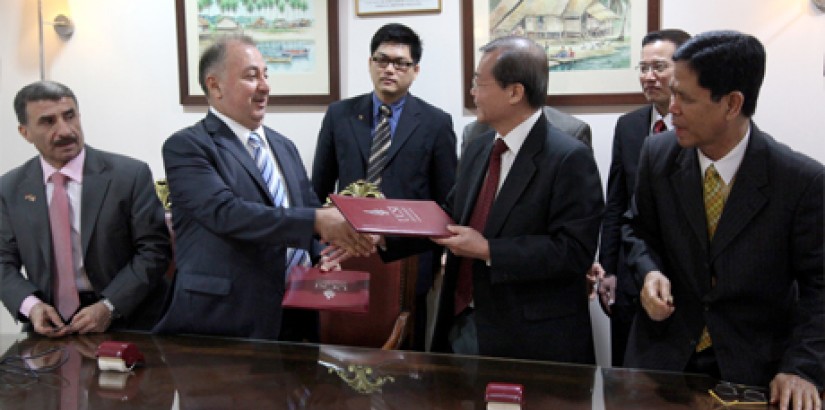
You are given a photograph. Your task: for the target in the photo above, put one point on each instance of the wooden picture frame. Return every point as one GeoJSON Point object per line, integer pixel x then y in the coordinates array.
{"type": "Point", "coordinates": [300, 45]}
{"type": "Point", "coordinates": [617, 84]}
{"type": "Point", "coordinates": [365, 8]}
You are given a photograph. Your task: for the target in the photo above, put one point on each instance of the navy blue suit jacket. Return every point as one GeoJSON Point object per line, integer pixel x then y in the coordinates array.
{"type": "Point", "coordinates": [230, 239]}
{"type": "Point", "coordinates": [421, 159]}
{"type": "Point", "coordinates": [766, 313]}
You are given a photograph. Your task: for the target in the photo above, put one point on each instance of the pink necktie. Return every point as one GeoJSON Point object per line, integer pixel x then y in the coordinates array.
{"type": "Point", "coordinates": [66, 298]}
{"type": "Point", "coordinates": [478, 219]}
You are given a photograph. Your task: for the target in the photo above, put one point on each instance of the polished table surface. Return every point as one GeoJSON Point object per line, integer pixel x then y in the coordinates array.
{"type": "Point", "coordinates": [187, 372]}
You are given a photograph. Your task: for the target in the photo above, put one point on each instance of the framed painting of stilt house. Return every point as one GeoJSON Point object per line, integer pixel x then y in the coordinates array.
{"type": "Point", "coordinates": [592, 46]}
{"type": "Point", "coordinates": [298, 39]}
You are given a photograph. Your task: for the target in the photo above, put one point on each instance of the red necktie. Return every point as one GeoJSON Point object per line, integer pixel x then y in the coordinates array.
{"type": "Point", "coordinates": [478, 219]}
{"type": "Point", "coordinates": [65, 294]}
{"type": "Point", "coordinates": [659, 126]}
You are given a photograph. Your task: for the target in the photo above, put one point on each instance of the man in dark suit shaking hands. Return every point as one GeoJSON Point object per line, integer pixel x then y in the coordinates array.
{"type": "Point", "coordinates": [85, 224]}
{"type": "Point", "coordinates": [419, 160]}
{"type": "Point", "coordinates": [242, 206]}
{"type": "Point", "coordinates": [528, 202]}
{"type": "Point", "coordinates": [726, 235]}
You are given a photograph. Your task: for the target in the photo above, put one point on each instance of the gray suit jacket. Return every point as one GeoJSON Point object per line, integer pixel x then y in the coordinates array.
{"type": "Point", "coordinates": [569, 124]}
{"type": "Point", "coordinates": [125, 240]}
{"type": "Point", "coordinates": [230, 239]}
{"type": "Point", "coordinates": [766, 313]}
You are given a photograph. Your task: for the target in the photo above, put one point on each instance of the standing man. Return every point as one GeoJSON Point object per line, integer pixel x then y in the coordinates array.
{"type": "Point", "coordinates": [85, 224]}
{"type": "Point", "coordinates": [419, 158]}
{"type": "Point", "coordinates": [618, 292]}
{"type": "Point", "coordinates": [242, 206]}
{"type": "Point", "coordinates": [529, 202]}
{"type": "Point", "coordinates": [726, 234]}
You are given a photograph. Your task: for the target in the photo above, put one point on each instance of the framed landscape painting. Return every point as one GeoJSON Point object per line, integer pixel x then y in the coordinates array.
{"type": "Point", "coordinates": [298, 39]}
{"type": "Point", "coordinates": [592, 46]}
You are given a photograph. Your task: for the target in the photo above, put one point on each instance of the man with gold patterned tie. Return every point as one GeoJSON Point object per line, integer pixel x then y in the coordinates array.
{"type": "Point", "coordinates": [726, 235]}
{"type": "Point", "coordinates": [85, 224]}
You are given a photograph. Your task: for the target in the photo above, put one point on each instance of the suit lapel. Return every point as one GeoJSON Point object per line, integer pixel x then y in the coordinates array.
{"type": "Point", "coordinates": [408, 122]}
{"type": "Point", "coordinates": [33, 202]}
{"type": "Point", "coordinates": [226, 139]}
{"type": "Point", "coordinates": [746, 197]}
{"type": "Point", "coordinates": [520, 175]}
{"type": "Point", "coordinates": [478, 171]}
{"type": "Point", "coordinates": [96, 180]}
{"type": "Point", "coordinates": [361, 123]}
{"type": "Point", "coordinates": [686, 183]}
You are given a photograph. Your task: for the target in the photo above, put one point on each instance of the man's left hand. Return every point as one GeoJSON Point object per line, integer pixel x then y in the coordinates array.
{"type": "Point", "coordinates": [466, 242]}
{"type": "Point", "coordinates": [790, 391]}
{"type": "Point", "coordinates": [95, 318]}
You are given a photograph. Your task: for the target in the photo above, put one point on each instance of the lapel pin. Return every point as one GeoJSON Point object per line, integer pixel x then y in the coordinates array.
{"type": "Point", "coordinates": [360, 117]}
{"type": "Point", "coordinates": [30, 197]}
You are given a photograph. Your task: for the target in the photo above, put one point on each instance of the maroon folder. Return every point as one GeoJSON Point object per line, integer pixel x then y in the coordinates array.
{"type": "Point", "coordinates": [339, 290]}
{"type": "Point", "coordinates": [394, 217]}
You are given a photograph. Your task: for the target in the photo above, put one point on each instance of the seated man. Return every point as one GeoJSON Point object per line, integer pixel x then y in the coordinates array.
{"type": "Point", "coordinates": [86, 225]}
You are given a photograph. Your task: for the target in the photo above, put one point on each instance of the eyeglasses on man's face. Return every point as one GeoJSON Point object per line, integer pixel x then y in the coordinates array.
{"type": "Point", "coordinates": [399, 63]}
{"type": "Point", "coordinates": [657, 67]}
{"type": "Point", "coordinates": [729, 394]}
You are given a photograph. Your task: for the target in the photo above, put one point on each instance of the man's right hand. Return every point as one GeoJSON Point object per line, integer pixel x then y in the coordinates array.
{"type": "Point", "coordinates": [335, 230]}
{"type": "Point", "coordinates": [607, 292]}
{"type": "Point", "coordinates": [47, 321]}
{"type": "Point", "coordinates": [656, 297]}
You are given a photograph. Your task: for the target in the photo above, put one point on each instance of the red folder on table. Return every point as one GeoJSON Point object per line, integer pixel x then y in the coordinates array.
{"type": "Point", "coordinates": [394, 217]}
{"type": "Point", "coordinates": [342, 290]}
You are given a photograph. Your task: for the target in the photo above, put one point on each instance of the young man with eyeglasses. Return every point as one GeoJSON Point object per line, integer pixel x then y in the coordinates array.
{"type": "Point", "coordinates": [618, 293]}
{"type": "Point", "coordinates": [420, 161]}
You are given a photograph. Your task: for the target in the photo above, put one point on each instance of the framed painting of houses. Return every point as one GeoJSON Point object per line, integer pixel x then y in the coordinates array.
{"type": "Point", "coordinates": [593, 46]}
{"type": "Point", "coordinates": [298, 39]}
{"type": "Point", "coordinates": [387, 7]}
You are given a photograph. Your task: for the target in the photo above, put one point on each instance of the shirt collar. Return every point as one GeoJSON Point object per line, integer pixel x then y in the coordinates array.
{"type": "Point", "coordinates": [655, 116]}
{"type": "Point", "coordinates": [73, 169]}
{"type": "Point", "coordinates": [729, 164]}
{"type": "Point", "coordinates": [515, 138]}
{"type": "Point", "coordinates": [396, 106]}
{"type": "Point", "coordinates": [239, 130]}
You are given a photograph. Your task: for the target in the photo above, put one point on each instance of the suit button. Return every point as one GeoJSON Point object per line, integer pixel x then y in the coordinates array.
{"type": "Point", "coordinates": [707, 308]}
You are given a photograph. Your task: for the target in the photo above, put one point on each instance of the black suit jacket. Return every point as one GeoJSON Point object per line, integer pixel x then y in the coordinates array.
{"type": "Point", "coordinates": [631, 130]}
{"type": "Point", "coordinates": [766, 313]}
{"type": "Point", "coordinates": [421, 159]}
{"type": "Point", "coordinates": [123, 234]}
{"type": "Point", "coordinates": [231, 241]}
{"type": "Point", "coordinates": [543, 231]}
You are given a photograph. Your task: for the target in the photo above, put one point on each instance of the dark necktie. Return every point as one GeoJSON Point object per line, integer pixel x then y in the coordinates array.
{"type": "Point", "coordinates": [659, 126]}
{"type": "Point", "coordinates": [66, 297]}
{"type": "Point", "coordinates": [263, 159]}
{"type": "Point", "coordinates": [478, 219]}
{"type": "Point", "coordinates": [380, 144]}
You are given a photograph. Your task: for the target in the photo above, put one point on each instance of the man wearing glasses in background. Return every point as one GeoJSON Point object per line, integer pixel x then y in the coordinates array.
{"type": "Point", "coordinates": [618, 292]}
{"type": "Point", "coordinates": [416, 160]}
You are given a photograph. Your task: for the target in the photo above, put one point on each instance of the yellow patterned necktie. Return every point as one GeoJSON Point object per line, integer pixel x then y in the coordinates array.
{"type": "Point", "coordinates": [715, 195]}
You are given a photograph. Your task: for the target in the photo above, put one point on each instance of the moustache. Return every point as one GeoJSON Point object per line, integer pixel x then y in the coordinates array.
{"type": "Point", "coordinates": [65, 140]}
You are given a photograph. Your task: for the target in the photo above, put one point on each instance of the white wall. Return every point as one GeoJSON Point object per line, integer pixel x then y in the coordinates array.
{"type": "Point", "coordinates": [122, 64]}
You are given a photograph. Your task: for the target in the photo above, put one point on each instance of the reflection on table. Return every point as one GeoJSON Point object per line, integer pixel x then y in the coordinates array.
{"type": "Point", "coordinates": [218, 373]}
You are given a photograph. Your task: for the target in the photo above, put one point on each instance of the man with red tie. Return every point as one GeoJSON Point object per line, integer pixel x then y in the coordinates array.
{"type": "Point", "coordinates": [85, 224]}
{"type": "Point", "coordinates": [528, 203]}
{"type": "Point", "coordinates": [618, 292]}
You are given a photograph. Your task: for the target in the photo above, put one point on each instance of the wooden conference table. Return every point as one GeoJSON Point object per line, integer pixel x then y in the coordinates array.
{"type": "Point", "coordinates": [188, 372]}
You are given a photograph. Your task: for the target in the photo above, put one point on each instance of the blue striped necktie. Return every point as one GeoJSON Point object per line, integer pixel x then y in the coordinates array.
{"type": "Point", "coordinates": [273, 181]}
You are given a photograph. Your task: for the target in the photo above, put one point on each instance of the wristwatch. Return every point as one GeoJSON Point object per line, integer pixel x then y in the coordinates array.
{"type": "Point", "coordinates": [111, 308]}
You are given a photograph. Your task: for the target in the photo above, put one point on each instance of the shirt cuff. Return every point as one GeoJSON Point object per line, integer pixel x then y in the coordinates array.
{"type": "Point", "coordinates": [28, 304]}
